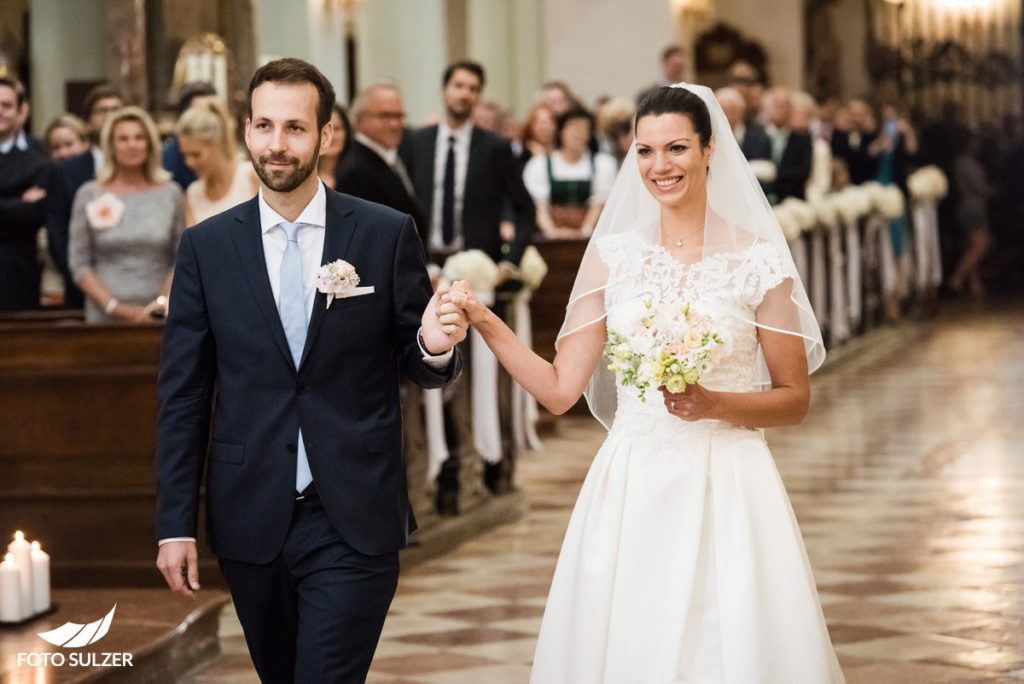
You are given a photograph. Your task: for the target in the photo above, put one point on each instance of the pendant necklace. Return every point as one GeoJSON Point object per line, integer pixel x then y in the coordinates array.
{"type": "Point", "coordinates": [680, 241]}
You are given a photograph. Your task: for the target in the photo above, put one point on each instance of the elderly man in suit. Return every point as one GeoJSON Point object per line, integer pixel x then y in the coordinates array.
{"type": "Point", "coordinates": [372, 168]}
{"type": "Point", "coordinates": [791, 149]}
{"type": "Point", "coordinates": [280, 381]}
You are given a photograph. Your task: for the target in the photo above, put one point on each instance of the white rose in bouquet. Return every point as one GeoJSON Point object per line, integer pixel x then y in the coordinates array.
{"type": "Point", "coordinates": [806, 216]}
{"type": "Point", "coordinates": [787, 222]}
{"type": "Point", "coordinates": [826, 208]}
{"type": "Point", "coordinates": [928, 183]}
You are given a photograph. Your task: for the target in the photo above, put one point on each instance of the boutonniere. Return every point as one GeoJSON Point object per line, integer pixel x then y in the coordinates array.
{"type": "Point", "coordinates": [337, 279]}
{"type": "Point", "coordinates": [105, 211]}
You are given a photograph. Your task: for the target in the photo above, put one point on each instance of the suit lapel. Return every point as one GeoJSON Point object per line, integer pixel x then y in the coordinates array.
{"type": "Point", "coordinates": [248, 240]}
{"type": "Point", "coordinates": [426, 161]}
{"type": "Point", "coordinates": [337, 237]}
{"type": "Point", "coordinates": [472, 168]}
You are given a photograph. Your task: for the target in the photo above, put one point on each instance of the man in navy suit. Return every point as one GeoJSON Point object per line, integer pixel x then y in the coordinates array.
{"type": "Point", "coordinates": [289, 399]}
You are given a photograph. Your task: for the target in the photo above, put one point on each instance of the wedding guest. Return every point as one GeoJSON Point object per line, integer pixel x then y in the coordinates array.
{"type": "Point", "coordinates": [854, 144]}
{"type": "Point", "coordinates": [791, 150]}
{"type": "Point", "coordinates": [750, 82]}
{"type": "Point", "coordinates": [25, 140]}
{"type": "Point", "coordinates": [571, 184]}
{"type": "Point", "coordinates": [537, 137]}
{"type": "Point", "coordinates": [206, 138]}
{"type": "Point", "coordinates": [754, 143]}
{"type": "Point", "coordinates": [67, 136]}
{"type": "Point", "coordinates": [973, 195]}
{"type": "Point", "coordinates": [559, 97]}
{"type": "Point", "coordinates": [615, 127]}
{"type": "Point", "coordinates": [805, 113]}
{"type": "Point", "coordinates": [126, 225]}
{"type": "Point", "coordinates": [894, 148]}
{"type": "Point", "coordinates": [23, 177]}
{"type": "Point", "coordinates": [674, 65]}
{"type": "Point", "coordinates": [70, 175]}
{"type": "Point", "coordinates": [191, 94]}
{"type": "Point", "coordinates": [488, 116]}
{"type": "Point", "coordinates": [327, 166]}
{"type": "Point", "coordinates": [372, 168]}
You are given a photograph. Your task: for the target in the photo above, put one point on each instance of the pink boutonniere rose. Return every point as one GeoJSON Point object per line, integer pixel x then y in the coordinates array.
{"type": "Point", "coordinates": [337, 279]}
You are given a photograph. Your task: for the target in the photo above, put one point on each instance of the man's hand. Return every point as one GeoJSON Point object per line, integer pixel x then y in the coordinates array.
{"type": "Point", "coordinates": [179, 564]}
{"type": "Point", "coordinates": [33, 194]}
{"type": "Point", "coordinates": [444, 324]}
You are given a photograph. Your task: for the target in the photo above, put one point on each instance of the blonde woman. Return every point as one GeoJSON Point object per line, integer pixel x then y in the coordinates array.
{"type": "Point", "coordinates": [67, 136]}
{"type": "Point", "coordinates": [206, 135]}
{"type": "Point", "coordinates": [126, 225]}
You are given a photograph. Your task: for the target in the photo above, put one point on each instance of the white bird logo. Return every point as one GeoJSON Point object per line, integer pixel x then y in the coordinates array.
{"type": "Point", "coordinates": [74, 635]}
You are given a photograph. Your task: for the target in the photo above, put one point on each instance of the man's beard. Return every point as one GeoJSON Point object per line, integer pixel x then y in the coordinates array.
{"type": "Point", "coordinates": [461, 115]}
{"type": "Point", "coordinates": [287, 181]}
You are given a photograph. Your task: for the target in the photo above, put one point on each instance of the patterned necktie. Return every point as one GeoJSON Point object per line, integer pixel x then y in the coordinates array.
{"type": "Point", "coordinates": [292, 308]}
{"type": "Point", "coordinates": [448, 195]}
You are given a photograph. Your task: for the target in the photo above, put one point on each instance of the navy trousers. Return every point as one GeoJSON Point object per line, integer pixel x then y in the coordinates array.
{"type": "Point", "coordinates": [315, 613]}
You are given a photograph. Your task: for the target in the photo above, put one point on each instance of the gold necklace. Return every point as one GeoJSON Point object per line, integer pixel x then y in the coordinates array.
{"type": "Point", "coordinates": [682, 240]}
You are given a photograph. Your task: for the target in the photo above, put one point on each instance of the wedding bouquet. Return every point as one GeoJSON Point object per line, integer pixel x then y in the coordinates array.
{"type": "Point", "coordinates": [668, 347]}
{"type": "Point", "coordinates": [532, 268]}
{"type": "Point", "coordinates": [473, 266]}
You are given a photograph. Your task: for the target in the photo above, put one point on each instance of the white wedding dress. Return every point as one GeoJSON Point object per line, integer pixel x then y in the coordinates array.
{"type": "Point", "coordinates": [683, 561]}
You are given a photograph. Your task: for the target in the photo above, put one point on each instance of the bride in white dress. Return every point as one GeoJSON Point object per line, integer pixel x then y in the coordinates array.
{"type": "Point", "coordinates": [682, 561]}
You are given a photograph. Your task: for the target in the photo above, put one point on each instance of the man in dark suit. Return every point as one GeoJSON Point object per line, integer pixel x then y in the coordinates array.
{"type": "Point", "coordinates": [466, 177]}
{"type": "Point", "coordinates": [372, 168]}
{"type": "Point", "coordinates": [22, 207]}
{"type": "Point", "coordinates": [791, 150]}
{"type": "Point", "coordinates": [753, 141]}
{"type": "Point", "coordinates": [68, 177]}
{"type": "Point", "coordinates": [855, 144]}
{"type": "Point", "coordinates": [297, 425]}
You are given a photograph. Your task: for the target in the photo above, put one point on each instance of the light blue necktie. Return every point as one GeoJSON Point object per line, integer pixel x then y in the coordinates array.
{"type": "Point", "coordinates": [292, 307]}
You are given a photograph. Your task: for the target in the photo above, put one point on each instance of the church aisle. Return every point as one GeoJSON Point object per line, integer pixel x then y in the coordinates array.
{"type": "Point", "coordinates": [906, 478]}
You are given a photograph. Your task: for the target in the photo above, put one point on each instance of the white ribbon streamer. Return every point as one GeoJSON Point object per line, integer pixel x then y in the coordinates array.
{"type": "Point", "coordinates": [839, 323]}
{"type": "Point", "coordinates": [890, 278]}
{"type": "Point", "coordinates": [486, 422]}
{"type": "Point", "coordinates": [853, 274]}
{"type": "Point", "coordinates": [798, 248]}
{"type": "Point", "coordinates": [437, 442]}
{"type": "Point", "coordinates": [926, 245]}
{"type": "Point", "coordinates": [524, 407]}
{"type": "Point", "coordinates": [819, 278]}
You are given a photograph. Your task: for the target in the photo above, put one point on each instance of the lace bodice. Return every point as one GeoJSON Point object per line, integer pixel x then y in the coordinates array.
{"type": "Point", "coordinates": [727, 287]}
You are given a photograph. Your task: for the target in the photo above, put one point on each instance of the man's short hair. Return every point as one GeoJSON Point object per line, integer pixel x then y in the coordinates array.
{"type": "Point", "coordinates": [190, 91]}
{"type": "Point", "coordinates": [19, 93]}
{"type": "Point", "coordinates": [292, 71]}
{"type": "Point", "coordinates": [358, 107]}
{"type": "Point", "coordinates": [99, 92]}
{"type": "Point", "coordinates": [465, 65]}
{"type": "Point", "coordinates": [670, 52]}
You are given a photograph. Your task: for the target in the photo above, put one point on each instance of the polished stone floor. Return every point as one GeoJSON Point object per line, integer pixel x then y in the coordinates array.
{"type": "Point", "coordinates": [908, 482]}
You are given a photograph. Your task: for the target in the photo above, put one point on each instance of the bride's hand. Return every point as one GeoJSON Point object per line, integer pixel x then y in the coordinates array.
{"type": "Point", "coordinates": [461, 296]}
{"type": "Point", "coordinates": [694, 403]}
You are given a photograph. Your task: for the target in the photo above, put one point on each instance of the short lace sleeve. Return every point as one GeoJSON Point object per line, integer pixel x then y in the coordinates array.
{"type": "Point", "coordinates": [763, 269]}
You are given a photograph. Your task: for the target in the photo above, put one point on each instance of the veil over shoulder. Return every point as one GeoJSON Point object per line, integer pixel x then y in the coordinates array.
{"type": "Point", "coordinates": [738, 218]}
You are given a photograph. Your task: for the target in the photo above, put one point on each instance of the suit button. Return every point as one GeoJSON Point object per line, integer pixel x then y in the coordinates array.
{"type": "Point", "coordinates": [290, 448]}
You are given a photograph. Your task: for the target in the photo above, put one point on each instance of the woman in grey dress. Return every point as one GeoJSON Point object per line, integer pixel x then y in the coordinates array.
{"type": "Point", "coordinates": [126, 225]}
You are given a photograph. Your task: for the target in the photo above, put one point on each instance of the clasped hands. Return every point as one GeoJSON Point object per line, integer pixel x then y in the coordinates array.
{"type": "Point", "coordinates": [443, 323]}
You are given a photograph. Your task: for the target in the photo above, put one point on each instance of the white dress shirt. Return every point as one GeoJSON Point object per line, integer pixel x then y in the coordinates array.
{"type": "Point", "coordinates": [311, 247]}
{"type": "Point", "coordinates": [462, 135]}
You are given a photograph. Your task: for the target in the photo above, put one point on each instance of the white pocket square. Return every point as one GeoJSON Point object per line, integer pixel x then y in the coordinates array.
{"type": "Point", "coordinates": [357, 292]}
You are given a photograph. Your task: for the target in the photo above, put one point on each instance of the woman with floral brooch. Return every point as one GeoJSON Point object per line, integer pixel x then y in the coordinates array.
{"type": "Point", "coordinates": [126, 225]}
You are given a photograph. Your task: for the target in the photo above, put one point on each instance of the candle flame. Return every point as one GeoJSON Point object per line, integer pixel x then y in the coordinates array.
{"type": "Point", "coordinates": [36, 546]}
{"type": "Point", "coordinates": [19, 536]}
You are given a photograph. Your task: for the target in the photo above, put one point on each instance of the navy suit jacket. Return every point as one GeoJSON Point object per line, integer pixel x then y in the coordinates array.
{"type": "Point", "coordinates": [232, 400]}
{"type": "Point", "coordinates": [65, 180]}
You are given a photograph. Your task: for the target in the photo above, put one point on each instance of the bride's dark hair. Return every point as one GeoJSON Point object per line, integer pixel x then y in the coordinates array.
{"type": "Point", "coordinates": [669, 100]}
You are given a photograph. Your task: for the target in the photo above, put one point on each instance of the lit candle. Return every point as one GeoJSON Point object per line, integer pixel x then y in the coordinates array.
{"type": "Point", "coordinates": [40, 579]}
{"type": "Point", "coordinates": [22, 552]}
{"type": "Point", "coordinates": [10, 591]}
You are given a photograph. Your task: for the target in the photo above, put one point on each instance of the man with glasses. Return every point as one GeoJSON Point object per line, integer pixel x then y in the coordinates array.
{"type": "Point", "coordinates": [372, 169]}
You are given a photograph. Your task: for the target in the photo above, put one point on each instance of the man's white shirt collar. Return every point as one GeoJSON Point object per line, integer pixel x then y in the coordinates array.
{"type": "Point", "coordinates": [462, 134]}
{"type": "Point", "coordinates": [314, 214]}
{"type": "Point", "coordinates": [8, 145]}
{"type": "Point", "coordinates": [390, 156]}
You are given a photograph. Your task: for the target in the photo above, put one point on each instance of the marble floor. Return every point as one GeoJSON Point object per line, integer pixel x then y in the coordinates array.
{"type": "Point", "coordinates": [908, 482]}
